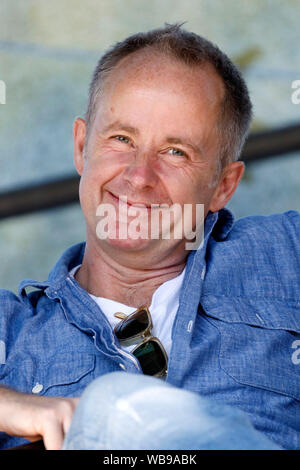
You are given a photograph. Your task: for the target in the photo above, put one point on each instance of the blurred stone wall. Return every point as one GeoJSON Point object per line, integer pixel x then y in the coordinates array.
{"type": "Point", "coordinates": [47, 54]}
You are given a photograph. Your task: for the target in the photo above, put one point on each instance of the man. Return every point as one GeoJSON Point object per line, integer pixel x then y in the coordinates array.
{"type": "Point", "coordinates": [167, 117]}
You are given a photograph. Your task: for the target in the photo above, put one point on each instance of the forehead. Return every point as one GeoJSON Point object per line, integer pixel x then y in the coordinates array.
{"type": "Point", "coordinates": [151, 69]}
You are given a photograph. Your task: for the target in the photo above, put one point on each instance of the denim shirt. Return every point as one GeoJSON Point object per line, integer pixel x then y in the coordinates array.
{"type": "Point", "coordinates": [235, 338]}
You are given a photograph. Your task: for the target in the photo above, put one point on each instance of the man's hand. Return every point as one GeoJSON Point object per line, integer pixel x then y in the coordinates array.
{"type": "Point", "coordinates": [34, 417]}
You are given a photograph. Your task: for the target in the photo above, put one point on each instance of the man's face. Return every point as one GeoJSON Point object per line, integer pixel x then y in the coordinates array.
{"type": "Point", "coordinates": [153, 140]}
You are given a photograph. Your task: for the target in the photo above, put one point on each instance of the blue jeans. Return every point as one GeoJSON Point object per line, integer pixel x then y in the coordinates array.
{"type": "Point", "coordinates": [122, 411]}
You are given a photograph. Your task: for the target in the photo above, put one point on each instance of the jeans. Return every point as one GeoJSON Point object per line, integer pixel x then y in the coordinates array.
{"type": "Point", "coordinates": [123, 411]}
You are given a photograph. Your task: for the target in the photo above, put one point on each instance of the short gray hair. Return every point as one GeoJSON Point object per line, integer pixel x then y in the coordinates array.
{"type": "Point", "coordinates": [235, 115]}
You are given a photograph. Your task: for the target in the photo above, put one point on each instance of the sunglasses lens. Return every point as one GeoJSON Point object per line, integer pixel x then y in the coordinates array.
{"type": "Point", "coordinates": [151, 358]}
{"type": "Point", "coordinates": [134, 325]}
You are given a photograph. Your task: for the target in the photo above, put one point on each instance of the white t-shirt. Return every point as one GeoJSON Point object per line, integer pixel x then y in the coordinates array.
{"type": "Point", "coordinates": [163, 308]}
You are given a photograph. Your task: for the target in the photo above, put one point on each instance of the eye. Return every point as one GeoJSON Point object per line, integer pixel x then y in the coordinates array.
{"type": "Point", "coordinates": [122, 138]}
{"type": "Point", "coordinates": [177, 152]}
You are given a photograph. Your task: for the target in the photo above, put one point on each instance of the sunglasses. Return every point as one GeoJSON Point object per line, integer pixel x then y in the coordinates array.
{"type": "Point", "coordinates": [136, 328]}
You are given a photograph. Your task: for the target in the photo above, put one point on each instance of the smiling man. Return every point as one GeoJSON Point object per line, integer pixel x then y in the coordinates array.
{"type": "Point", "coordinates": [153, 139]}
{"type": "Point", "coordinates": [167, 117]}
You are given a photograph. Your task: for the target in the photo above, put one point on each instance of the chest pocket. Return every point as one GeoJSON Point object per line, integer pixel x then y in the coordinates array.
{"type": "Point", "coordinates": [260, 341]}
{"type": "Point", "coordinates": [65, 374]}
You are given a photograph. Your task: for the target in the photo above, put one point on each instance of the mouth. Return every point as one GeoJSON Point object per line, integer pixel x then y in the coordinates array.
{"type": "Point", "coordinates": [120, 199]}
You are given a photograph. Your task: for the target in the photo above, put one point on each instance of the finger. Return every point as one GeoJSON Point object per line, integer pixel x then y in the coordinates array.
{"type": "Point", "coordinates": [67, 423]}
{"type": "Point", "coordinates": [53, 436]}
{"type": "Point", "coordinates": [75, 401]}
{"type": "Point", "coordinates": [68, 417]}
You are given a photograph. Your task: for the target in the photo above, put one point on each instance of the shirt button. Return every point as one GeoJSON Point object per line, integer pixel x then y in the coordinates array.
{"type": "Point", "coordinates": [122, 366]}
{"type": "Point", "coordinates": [37, 388]}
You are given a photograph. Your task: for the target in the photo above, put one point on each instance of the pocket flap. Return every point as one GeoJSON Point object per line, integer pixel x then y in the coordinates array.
{"type": "Point", "coordinates": [265, 313]}
{"type": "Point", "coordinates": [66, 368]}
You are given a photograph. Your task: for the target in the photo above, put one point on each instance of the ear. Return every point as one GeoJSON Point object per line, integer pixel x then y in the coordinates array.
{"type": "Point", "coordinates": [229, 181]}
{"type": "Point", "coordinates": [79, 133]}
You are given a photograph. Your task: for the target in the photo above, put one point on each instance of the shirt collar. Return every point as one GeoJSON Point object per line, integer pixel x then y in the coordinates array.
{"type": "Point", "coordinates": [223, 224]}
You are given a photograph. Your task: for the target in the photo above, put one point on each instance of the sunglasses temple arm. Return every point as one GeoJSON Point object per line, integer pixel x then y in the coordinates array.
{"type": "Point", "coordinates": [120, 315]}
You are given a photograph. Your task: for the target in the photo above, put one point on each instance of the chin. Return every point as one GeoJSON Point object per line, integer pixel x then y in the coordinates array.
{"type": "Point", "coordinates": [128, 244]}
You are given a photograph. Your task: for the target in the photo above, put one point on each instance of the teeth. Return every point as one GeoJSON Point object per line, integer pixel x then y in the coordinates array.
{"type": "Point", "coordinates": [123, 200]}
{"type": "Point", "coordinates": [159, 206]}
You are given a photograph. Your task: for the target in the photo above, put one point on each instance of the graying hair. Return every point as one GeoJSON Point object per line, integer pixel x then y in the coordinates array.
{"type": "Point", "coordinates": [172, 40]}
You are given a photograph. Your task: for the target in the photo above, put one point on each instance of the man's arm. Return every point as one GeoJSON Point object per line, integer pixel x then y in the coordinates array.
{"type": "Point", "coordinates": [34, 417]}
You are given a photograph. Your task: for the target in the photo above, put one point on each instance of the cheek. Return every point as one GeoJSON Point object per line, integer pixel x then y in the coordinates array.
{"type": "Point", "coordinates": [100, 170]}
{"type": "Point", "coordinates": [90, 188]}
{"type": "Point", "coordinates": [187, 185]}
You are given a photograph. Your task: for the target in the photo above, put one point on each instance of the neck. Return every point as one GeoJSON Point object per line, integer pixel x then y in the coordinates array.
{"type": "Point", "coordinates": [105, 276]}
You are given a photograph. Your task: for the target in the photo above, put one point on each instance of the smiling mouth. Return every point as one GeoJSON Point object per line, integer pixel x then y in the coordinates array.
{"type": "Point", "coordinates": [123, 200]}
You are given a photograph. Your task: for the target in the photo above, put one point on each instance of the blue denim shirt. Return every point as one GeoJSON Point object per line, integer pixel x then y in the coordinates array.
{"type": "Point", "coordinates": [236, 335]}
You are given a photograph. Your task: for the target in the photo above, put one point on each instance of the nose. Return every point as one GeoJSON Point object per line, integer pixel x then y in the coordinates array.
{"type": "Point", "coordinates": [140, 174]}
